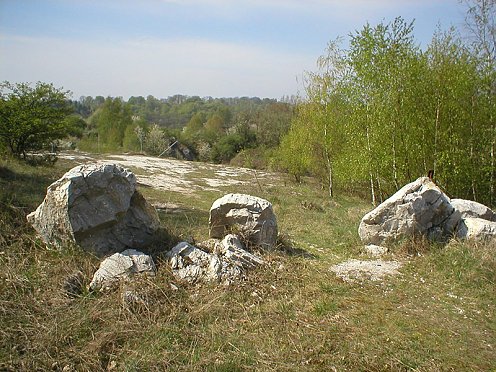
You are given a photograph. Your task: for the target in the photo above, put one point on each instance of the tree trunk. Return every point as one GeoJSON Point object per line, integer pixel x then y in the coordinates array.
{"type": "Point", "coordinates": [491, 191]}
{"type": "Point", "coordinates": [436, 134]}
{"type": "Point", "coordinates": [328, 160]}
{"type": "Point", "coordinates": [372, 188]}
{"type": "Point", "coordinates": [395, 165]}
{"type": "Point", "coordinates": [472, 160]}
{"type": "Point", "coordinates": [379, 188]}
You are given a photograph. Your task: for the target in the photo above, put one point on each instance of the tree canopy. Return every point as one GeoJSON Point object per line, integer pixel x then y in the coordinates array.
{"type": "Point", "coordinates": [383, 112]}
{"type": "Point", "coordinates": [32, 117]}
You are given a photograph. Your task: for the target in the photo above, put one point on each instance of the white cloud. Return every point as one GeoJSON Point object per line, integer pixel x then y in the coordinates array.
{"type": "Point", "coordinates": [149, 66]}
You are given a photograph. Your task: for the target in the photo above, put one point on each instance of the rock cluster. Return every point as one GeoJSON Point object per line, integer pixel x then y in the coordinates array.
{"type": "Point", "coordinates": [226, 257]}
{"type": "Point", "coordinates": [97, 207]}
{"type": "Point", "coordinates": [421, 208]}
{"type": "Point", "coordinates": [228, 261]}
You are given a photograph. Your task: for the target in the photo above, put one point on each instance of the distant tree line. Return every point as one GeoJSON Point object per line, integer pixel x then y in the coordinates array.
{"type": "Point", "coordinates": [383, 111]}
{"type": "Point", "coordinates": [214, 129]}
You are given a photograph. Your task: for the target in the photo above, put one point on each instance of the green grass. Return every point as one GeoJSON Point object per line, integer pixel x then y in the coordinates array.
{"type": "Point", "coordinates": [292, 314]}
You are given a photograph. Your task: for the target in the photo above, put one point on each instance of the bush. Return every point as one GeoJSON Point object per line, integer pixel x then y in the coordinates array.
{"type": "Point", "coordinates": [32, 118]}
{"type": "Point", "coordinates": [257, 158]}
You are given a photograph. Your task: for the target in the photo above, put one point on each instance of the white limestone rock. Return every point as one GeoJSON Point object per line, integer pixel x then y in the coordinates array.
{"type": "Point", "coordinates": [121, 266]}
{"type": "Point", "coordinates": [418, 208]}
{"type": "Point", "coordinates": [191, 264]}
{"type": "Point", "coordinates": [231, 249]}
{"type": "Point", "coordinates": [375, 250]}
{"type": "Point", "coordinates": [476, 229]}
{"type": "Point", "coordinates": [472, 209]}
{"type": "Point", "coordinates": [97, 207]}
{"type": "Point", "coordinates": [253, 216]}
{"type": "Point", "coordinates": [227, 263]}
{"type": "Point", "coordinates": [359, 270]}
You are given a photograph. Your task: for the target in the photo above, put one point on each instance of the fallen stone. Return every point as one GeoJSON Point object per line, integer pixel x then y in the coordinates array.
{"type": "Point", "coordinates": [121, 266]}
{"type": "Point", "coordinates": [210, 245]}
{"type": "Point", "coordinates": [375, 250]}
{"type": "Point", "coordinates": [97, 207]}
{"type": "Point", "coordinates": [419, 208]}
{"type": "Point", "coordinates": [357, 270]}
{"type": "Point", "coordinates": [472, 209]}
{"type": "Point", "coordinates": [231, 249]}
{"type": "Point", "coordinates": [476, 229]}
{"type": "Point", "coordinates": [227, 262]}
{"type": "Point", "coordinates": [192, 265]}
{"type": "Point", "coordinates": [249, 215]}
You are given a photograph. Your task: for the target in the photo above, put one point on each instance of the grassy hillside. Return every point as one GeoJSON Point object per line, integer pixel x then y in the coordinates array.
{"type": "Point", "coordinates": [292, 314]}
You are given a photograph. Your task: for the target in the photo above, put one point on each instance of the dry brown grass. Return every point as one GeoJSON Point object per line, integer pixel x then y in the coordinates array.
{"type": "Point", "coordinates": [292, 314]}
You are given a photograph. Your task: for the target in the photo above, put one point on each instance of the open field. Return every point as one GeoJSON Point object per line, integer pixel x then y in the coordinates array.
{"type": "Point", "coordinates": [438, 313]}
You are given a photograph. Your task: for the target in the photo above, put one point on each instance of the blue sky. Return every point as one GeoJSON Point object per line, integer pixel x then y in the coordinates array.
{"type": "Point", "coordinates": [216, 48]}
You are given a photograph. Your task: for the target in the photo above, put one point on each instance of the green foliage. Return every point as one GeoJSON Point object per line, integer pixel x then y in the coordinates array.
{"type": "Point", "coordinates": [155, 140]}
{"type": "Point", "coordinates": [227, 147]}
{"type": "Point", "coordinates": [31, 118]}
{"type": "Point", "coordinates": [255, 158]}
{"type": "Point", "coordinates": [75, 125]}
{"type": "Point", "coordinates": [214, 128]}
{"type": "Point", "coordinates": [273, 122]}
{"type": "Point", "coordinates": [199, 123]}
{"type": "Point", "coordinates": [131, 141]}
{"type": "Point", "coordinates": [242, 137]}
{"type": "Point", "coordinates": [194, 129]}
{"type": "Point", "coordinates": [384, 112]}
{"type": "Point", "coordinates": [111, 120]}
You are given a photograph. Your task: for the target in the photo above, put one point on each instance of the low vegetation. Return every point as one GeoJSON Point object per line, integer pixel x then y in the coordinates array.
{"type": "Point", "coordinates": [291, 314]}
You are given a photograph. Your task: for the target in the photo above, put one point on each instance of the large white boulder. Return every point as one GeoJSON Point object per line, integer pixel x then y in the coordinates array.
{"type": "Point", "coordinates": [476, 229]}
{"type": "Point", "coordinates": [97, 207]}
{"type": "Point", "coordinates": [251, 216]}
{"type": "Point", "coordinates": [472, 209]}
{"type": "Point", "coordinates": [121, 266]}
{"type": "Point", "coordinates": [418, 208]}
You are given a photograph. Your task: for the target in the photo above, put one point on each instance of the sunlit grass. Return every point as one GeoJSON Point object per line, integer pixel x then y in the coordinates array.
{"type": "Point", "coordinates": [291, 314]}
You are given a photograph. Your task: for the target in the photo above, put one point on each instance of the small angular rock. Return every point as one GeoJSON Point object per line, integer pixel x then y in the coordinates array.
{"type": "Point", "coordinates": [228, 262]}
{"type": "Point", "coordinates": [191, 264]}
{"type": "Point", "coordinates": [357, 270]}
{"type": "Point", "coordinates": [121, 266]}
{"type": "Point", "coordinates": [375, 250]}
{"type": "Point", "coordinates": [233, 250]}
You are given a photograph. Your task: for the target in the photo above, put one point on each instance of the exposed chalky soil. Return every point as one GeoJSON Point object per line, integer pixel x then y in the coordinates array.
{"type": "Point", "coordinates": [177, 175]}
{"type": "Point", "coordinates": [360, 270]}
